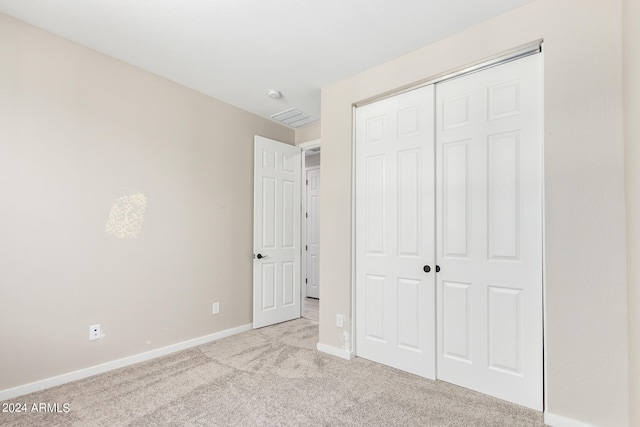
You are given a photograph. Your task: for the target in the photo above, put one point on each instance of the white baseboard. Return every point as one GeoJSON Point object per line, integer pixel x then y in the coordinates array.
{"type": "Point", "coordinates": [335, 351]}
{"type": "Point", "coordinates": [559, 421]}
{"type": "Point", "coordinates": [115, 364]}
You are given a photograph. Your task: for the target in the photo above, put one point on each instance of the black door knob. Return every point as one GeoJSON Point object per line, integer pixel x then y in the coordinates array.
{"type": "Point", "coordinates": [437, 269]}
{"type": "Point", "coordinates": [426, 268]}
{"type": "Point", "coordinates": [259, 256]}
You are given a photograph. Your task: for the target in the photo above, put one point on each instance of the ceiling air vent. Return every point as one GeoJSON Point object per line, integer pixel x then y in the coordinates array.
{"type": "Point", "coordinates": [294, 118]}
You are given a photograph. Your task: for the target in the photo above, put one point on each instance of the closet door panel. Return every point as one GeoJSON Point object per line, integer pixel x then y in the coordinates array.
{"type": "Point", "coordinates": [489, 231]}
{"type": "Point", "coordinates": [395, 297]}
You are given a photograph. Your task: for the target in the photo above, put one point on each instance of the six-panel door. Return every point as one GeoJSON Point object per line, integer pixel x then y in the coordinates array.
{"type": "Point", "coordinates": [395, 307]}
{"type": "Point", "coordinates": [312, 248]}
{"type": "Point", "coordinates": [489, 231]}
{"type": "Point", "coordinates": [276, 232]}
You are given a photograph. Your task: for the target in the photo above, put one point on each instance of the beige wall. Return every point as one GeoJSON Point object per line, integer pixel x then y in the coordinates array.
{"type": "Point", "coordinates": [586, 334]}
{"type": "Point", "coordinates": [79, 129]}
{"type": "Point", "coordinates": [631, 43]}
{"type": "Point", "coordinates": [308, 133]}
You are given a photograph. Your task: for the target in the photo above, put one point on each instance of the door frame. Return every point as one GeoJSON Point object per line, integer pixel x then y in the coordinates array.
{"type": "Point", "coordinates": [522, 51]}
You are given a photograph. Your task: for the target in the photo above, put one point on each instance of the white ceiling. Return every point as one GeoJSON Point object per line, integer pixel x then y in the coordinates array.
{"type": "Point", "coordinates": [235, 50]}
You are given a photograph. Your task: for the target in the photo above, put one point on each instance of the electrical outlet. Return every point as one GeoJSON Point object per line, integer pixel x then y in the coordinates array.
{"type": "Point", "coordinates": [216, 308]}
{"type": "Point", "coordinates": [95, 332]}
{"type": "Point", "coordinates": [339, 320]}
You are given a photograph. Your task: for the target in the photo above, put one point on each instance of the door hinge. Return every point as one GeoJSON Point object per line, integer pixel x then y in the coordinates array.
{"type": "Point", "coordinates": [307, 182]}
{"type": "Point", "coordinates": [306, 247]}
{"type": "Point", "coordinates": [306, 214]}
{"type": "Point", "coordinates": [306, 280]}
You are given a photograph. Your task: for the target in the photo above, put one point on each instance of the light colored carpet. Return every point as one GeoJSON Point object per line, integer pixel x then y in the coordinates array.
{"type": "Point", "coordinates": [272, 376]}
{"type": "Point", "coordinates": [311, 309]}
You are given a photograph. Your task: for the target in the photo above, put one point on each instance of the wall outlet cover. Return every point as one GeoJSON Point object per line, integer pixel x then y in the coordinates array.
{"type": "Point", "coordinates": [95, 332]}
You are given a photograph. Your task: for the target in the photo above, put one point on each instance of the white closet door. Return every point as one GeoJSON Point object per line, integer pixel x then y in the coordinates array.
{"type": "Point", "coordinates": [395, 297]}
{"type": "Point", "coordinates": [489, 231]}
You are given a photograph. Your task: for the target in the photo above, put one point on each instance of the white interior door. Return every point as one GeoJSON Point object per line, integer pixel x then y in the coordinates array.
{"type": "Point", "coordinates": [312, 248]}
{"type": "Point", "coordinates": [395, 296]}
{"type": "Point", "coordinates": [489, 231]}
{"type": "Point", "coordinates": [276, 232]}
